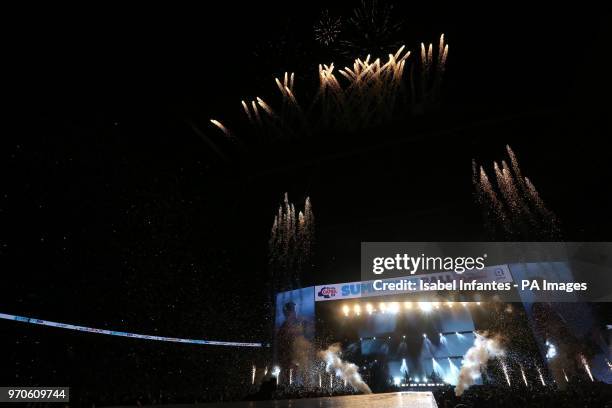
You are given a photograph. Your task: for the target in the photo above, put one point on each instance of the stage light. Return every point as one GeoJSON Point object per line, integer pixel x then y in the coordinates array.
{"type": "Point", "coordinates": [357, 310]}
{"type": "Point", "coordinates": [424, 335]}
{"type": "Point", "coordinates": [449, 304]}
{"type": "Point", "coordinates": [551, 351]}
{"type": "Point", "coordinates": [436, 305]}
{"type": "Point", "coordinates": [425, 306]}
{"type": "Point", "coordinates": [463, 304]}
{"type": "Point", "coordinates": [478, 303]}
{"type": "Point", "coordinates": [369, 308]}
{"type": "Point", "coordinates": [397, 381]}
{"type": "Point", "coordinates": [394, 307]}
{"type": "Point", "coordinates": [383, 307]}
{"type": "Point", "coordinates": [404, 336]}
{"type": "Point", "coordinates": [407, 305]}
{"type": "Point", "coordinates": [345, 309]}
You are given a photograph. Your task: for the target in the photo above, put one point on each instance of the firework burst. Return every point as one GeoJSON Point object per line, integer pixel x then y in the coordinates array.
{"type": "Point", "coordinates": [327, 29]}
{"type": "Point", "coordinates": [370, 92]}
{"type": "Point", "coordinates": [372, 26]}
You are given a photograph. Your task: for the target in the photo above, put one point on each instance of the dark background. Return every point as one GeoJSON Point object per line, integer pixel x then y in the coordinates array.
{"type": "Point", "coordinates": [115, 214]}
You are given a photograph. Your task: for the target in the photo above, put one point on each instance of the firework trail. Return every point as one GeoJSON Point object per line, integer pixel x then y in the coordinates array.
{"type": "Point", "coordinates": [221, 126]}
{"type": "Point", "coordinates": [475, 360]}
{"type": "Point", "coordinates": [347, 371]}
{"type": "Point", "coordinates": [515, 208]}
{"type": "Point", "coordinates": [489, 200]}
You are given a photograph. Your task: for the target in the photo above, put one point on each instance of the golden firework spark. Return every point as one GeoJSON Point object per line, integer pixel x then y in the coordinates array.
{"type": "Point", "coordinates": [220, 126]}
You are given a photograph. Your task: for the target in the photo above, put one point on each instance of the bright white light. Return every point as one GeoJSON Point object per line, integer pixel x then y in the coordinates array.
{"type": "Point", "coordinates": [407, 305]}
{"type": "Point", "coordinates": [345, 310]}
{"type": "Point", "coordinates": [383, 307]}
{"type": "Point", "coordinates": [394, 308]}
{"type": "Point", "coordinates": [551, 352]}
{"type": "Point", "coordinates": [424, 335]}
{"type": "Point", "coordinates": [369, 308]}
{"type": "Point", "coordinates": [404, 367]}
{"type": "Point", "coordinates": [397, 381]}
{"type": "Point", "coordinates": [425, 306]}
{"type": "Point", "coordinates": [357, 310]}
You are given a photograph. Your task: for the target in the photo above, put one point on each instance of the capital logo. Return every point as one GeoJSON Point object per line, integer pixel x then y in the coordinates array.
{"type": "Point", "coordinates": [327, 292]}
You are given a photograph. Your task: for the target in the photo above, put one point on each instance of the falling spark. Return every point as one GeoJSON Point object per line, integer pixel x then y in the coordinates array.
{"type": "Point", "coordinates": [540, 376]}
{"type": "Point", "coordinates": [505, 370]}
{"type": "Point", "coordinates": [320, 383]}
{"type": "Point", "coordinates": [524, 377]}
{"type": "Point", "coordinates": [290, 376]}
{"type": "Point", "coordinates": [586, 367]}
{"type": "Point", "coordinates": [565, 375]}
{"type": "Point", "coordinates": [253, 375]}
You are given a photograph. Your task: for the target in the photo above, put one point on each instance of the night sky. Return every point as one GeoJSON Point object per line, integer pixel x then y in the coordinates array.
{"type": "Point", "coordinates": [116, 214]}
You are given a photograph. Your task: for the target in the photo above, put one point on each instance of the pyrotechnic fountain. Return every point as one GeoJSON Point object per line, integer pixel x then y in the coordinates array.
{"type": "Point", "coordinates": [475, 360]}
{"type": "Point", "coordinates": [290, 243]}
{"type": "Point", "coordinates": [342, 369]}
{"type": "Point", "coordinates": [520, 212]}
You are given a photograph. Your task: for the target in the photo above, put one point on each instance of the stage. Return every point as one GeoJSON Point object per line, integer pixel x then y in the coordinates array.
{"type": "Point", "coordinates": [388, 400]}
